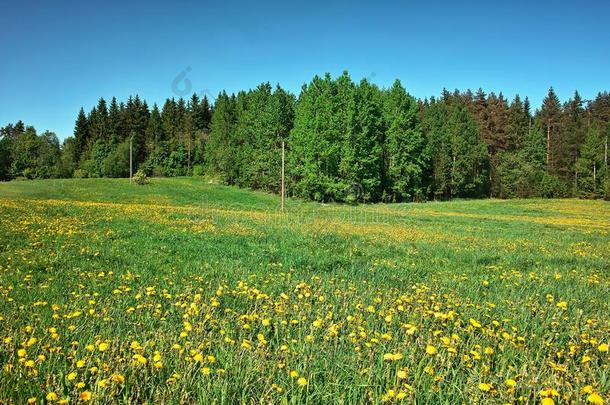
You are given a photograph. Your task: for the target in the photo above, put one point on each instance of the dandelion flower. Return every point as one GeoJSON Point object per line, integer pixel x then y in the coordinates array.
{"type": "Point", "coordinates": [485, 387]}
{"type": "Point", "coordinates": [562, 305]}
{"type": "Point", "coordinates": [431, 350]}
{"type": "Point", "coordinates": [302, 382]}
{"type": "Point", "coordinates": [595, 399]}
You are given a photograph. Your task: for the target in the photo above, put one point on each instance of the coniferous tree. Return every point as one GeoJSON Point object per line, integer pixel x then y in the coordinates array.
{"type": "Point", "coordinates": [81, 134]}
{"type": "Point", "coordinates": [549, 119]}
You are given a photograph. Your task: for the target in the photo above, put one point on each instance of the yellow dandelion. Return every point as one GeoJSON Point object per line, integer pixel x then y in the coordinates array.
{"type": "Point", "coordinates": [302, 382]}
{"type": "Point", "coordinates": [431, 350]}
{"type": "Point", "coordinates": [595, 399]}
{"type": "Point", "coordinates": [485, 387]}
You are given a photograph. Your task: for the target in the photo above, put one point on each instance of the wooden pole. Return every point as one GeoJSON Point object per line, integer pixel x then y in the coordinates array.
{"type": "Point", "coordinates": [548, 143]}
{"type": "Point", "coordinates": [283, 168]}
{"type": "Point", "coordinates": [130, 160]}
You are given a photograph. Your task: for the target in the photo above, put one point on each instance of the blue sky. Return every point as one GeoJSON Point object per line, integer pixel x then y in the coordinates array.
{"type": "Point", "coordinates": [60, 55]}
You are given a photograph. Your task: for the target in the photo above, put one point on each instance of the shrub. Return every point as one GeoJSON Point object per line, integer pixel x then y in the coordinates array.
{"type": "Point", "coordinates": [80, 174]}
{"type": "Point", "coordinates": [140, 178]}
{"type": "Point", "coordinates": [198, 170]}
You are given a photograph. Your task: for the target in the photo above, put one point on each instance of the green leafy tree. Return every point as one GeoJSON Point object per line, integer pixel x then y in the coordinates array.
{"type": "Point", "coordinates": [406, 160]}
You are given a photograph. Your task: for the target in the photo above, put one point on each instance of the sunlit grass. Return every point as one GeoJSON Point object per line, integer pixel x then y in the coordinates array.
{"type": "Point", "coordinates": [183, 291]}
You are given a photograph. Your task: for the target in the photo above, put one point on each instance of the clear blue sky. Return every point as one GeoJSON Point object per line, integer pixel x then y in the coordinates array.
{"type": "Point", "coordinates": [60, 55]}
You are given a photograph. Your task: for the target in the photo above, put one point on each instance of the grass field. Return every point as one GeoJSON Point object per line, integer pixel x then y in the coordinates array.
{"type": "Point", "coordinates": [186, 292]}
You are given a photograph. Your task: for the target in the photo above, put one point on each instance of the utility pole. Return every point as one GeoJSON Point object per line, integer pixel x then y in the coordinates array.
{"type": "Point", "coordinates": [283, 168]}
{"type": "Point", "coordinates": [548, 143]}
{"type": "Point", "coordinates": [606, 152]}
{"type": "Point", "coordinates": [130, 159]}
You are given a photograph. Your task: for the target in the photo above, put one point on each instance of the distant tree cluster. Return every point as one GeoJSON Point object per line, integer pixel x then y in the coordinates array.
{"type": "Point", "coordinates": [345, 141]}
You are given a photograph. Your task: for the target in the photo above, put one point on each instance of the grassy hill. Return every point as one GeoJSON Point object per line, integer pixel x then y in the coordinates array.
{"type": "Point", "coordinates": [187, 291]}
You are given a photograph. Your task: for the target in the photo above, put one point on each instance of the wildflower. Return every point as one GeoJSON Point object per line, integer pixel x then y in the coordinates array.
{"type": "Point", "coordinates": [85, 395]}
{"type": "Point", "coordinates": [302, 382]}
{"type": "Point", "coordinates": [603, 347]}
{"type": "Point", "coordinates": [206, 371]}
{"type": "Point", "coordinates": [475, 323]}
{"type": "Point", "coordinates": [431, 350]}
{"type": "Point", "coordinates": [562, 305]}
{"type": "Point", "coordinates": [118, 378]}
{"type": "Point", "coordinates": [595, 399]}
{"type": "Point", "coordinates": [401, 374]}
{"type": "Point", "coordinates": [22, 353]}
{"type": "Point", "coordinates": [102, 347]}
{"type": "Point", "coordinates": [293, 374]}
{"type": "Point", "coordinates": [392, 356]}
{"type": "Point", "coordinates": [547, 401]}
{"type": "Point", "coordinates": [103, 383]}
{"type": "Point", "coordinates": [485, 387]}
{"type": "Point", "coordinates": [51, 396]}
{"type": "Point", "coordinates": [71, 376]}
{"type": "Point", "coordinates": [510, 382]}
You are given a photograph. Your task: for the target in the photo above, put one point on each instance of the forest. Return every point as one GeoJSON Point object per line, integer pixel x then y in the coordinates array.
{"type": "Point", "coordinates": [345, 141]}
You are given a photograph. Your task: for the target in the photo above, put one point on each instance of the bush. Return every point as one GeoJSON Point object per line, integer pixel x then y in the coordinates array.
{"type": "Point", "coordinates": [80, 174]}
{"type": "Point", "coordinates": [198, 170]}
{"type": "Point", "coordinates": [140, 178]}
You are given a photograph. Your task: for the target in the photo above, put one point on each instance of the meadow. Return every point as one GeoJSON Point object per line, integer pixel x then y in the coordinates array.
{"type": "Point", "coordinates": [182, 291]}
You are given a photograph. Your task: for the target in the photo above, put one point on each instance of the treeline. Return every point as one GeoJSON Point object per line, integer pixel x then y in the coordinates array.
{"type": "Point", "coordinates": [345, 141]}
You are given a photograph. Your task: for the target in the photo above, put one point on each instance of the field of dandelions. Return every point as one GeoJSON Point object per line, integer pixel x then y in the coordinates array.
{"type": "Point", "coordinates": [182, 291]}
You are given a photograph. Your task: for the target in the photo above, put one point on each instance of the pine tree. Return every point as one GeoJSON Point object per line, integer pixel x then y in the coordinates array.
{"type": "Point", "coordinates": [572, 135]}
{"type": "Point", "coordinates": [549, 119]}
{"type": "Point", "coordinates": [590, 164]}
{"type": "Point", "coordinates": [81, 134]}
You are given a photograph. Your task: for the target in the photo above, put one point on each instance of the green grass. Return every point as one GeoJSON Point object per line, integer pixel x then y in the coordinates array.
{"type": "Point", "coordinates": [103, 261]}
